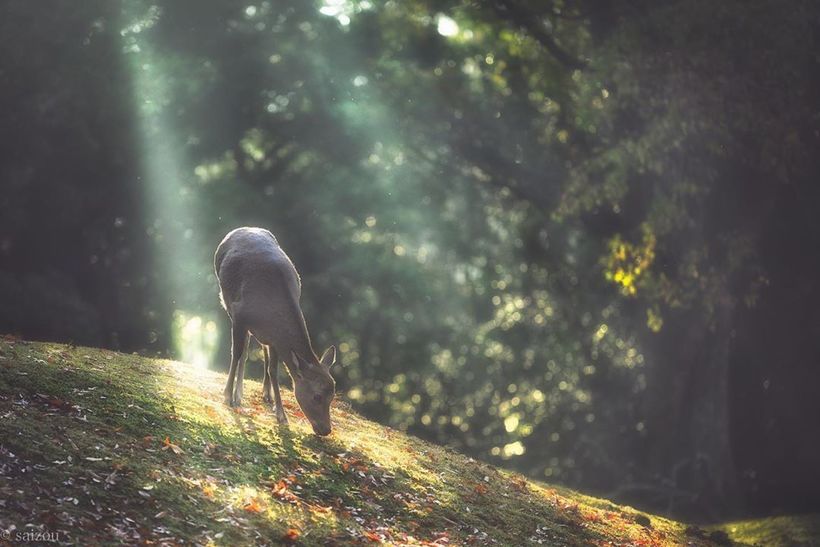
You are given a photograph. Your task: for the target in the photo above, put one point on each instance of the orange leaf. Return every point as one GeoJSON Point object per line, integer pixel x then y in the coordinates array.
{"type": "Point", "coordinates": [480, 489]}
{"type": "Point", "coordinates": [291, 535]}
{"type": "Point", "coordinates": [283, 494]}
{"type": "Point", "coordinates": [169, 445]}
{"type": "Point", "coordinates": [372, 536]}
{"type": "Point", "coordinates": [253, 506]}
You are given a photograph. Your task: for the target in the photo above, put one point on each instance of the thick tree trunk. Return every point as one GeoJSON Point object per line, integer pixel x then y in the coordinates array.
{"type": "Point", "coordinates": [713, 473]}
{"type": "Point", "coordinates": [688, 414]}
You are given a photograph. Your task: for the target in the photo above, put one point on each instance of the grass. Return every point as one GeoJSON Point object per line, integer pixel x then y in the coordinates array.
{"type": "Point", "coordinates": [99, 447]}
{"type": "Point", "coordinates": [782, 531]}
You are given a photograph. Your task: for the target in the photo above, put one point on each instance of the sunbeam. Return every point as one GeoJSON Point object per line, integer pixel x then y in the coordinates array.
{"type": "Point", "coordinates": [171, 221]}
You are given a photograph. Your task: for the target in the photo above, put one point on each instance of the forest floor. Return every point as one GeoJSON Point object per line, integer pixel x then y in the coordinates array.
{"type": "Point", "coordinates": [101, 447]}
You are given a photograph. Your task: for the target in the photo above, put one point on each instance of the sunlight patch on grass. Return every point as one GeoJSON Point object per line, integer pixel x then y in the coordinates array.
{"type": "Point", "coordinates": [782, 531]}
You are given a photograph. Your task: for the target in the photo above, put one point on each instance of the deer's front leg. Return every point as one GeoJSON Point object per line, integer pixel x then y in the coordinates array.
{"type": "Point", "coordinates": [267, 393]}
{"type": "Point", "coordinates": [239, 344]}
{"type": "Point", "coordinates": [273, 370]}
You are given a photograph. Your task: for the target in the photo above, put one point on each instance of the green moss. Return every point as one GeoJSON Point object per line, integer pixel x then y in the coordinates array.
{"type": "Point", "coordinates": [783, 531]}
{"type": "Point", "coordinates": [106, 448]}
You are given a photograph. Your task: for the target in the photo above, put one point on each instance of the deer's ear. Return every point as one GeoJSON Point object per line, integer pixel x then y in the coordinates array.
{"type": "Point", "coordinates": [329, 357]}
{"type": "Point", "coordinates": [298, 364]}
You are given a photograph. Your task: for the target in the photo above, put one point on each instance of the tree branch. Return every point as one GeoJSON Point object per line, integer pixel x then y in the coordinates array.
{"type": "Point", "coordinates": [507, 9]}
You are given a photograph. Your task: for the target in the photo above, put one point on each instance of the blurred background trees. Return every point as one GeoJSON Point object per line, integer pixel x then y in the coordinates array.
{"type": "Point", "coordinates": [575, 238]}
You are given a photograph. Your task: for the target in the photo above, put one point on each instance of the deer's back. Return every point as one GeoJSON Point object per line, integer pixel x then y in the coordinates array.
{"type": "Point", "coordinates": [260, 289]}
{"type": "Point", "coordinates": [250, 264]}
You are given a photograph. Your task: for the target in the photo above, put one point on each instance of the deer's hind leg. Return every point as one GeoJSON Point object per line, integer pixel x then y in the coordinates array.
{"type": "Point", "coordinates": [240, 374]}
{"type": "Point", "coordinates": [239, 350]}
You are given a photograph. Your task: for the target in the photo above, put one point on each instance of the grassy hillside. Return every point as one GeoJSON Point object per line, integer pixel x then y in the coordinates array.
{"type": "Point", "coordinates": [97, 446]}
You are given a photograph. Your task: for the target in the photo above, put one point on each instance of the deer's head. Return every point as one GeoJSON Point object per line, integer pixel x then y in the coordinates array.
{"type": "Point", "coordinates": [315, 388]}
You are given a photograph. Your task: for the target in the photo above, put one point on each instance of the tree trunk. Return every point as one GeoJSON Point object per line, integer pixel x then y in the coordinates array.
{"type": "Point", "coordinates": [688, 414]}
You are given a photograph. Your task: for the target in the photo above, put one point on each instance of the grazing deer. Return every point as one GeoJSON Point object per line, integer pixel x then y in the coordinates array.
{"type": "Point", "coordinates": [260, 289]}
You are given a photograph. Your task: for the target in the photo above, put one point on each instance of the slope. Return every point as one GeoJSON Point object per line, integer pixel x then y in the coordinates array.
{"type": "Point", "coordinates": [102, 447]}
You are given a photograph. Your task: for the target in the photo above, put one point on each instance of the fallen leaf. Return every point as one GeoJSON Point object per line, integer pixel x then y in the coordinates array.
{"type": "Point", "coordinates": [520, 484]}
{"type": "Point", "coordinates": [169, 445]}
{"type": "Point", "coordinates": [291, 535]}
{"type": "Point", "coordinates": [283, 493]}
{"type": "Point", "coordinates": [253, 506]}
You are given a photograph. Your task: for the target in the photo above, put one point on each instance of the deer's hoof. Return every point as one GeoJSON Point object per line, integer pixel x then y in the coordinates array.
{"type": "Point", "coordinates": [282, 419]}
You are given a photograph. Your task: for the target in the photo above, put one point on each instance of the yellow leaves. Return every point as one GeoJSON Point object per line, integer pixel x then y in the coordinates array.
{"type": "Point", "coordinates": [626, 279]}
{"type": "Point", "coordinates": [209, 490]}
{"type": "Point", "coordinates": [627, 263]}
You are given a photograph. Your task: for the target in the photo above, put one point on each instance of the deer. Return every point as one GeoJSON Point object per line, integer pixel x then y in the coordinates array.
{"type": "Point", "coordinates": [260, 290]}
